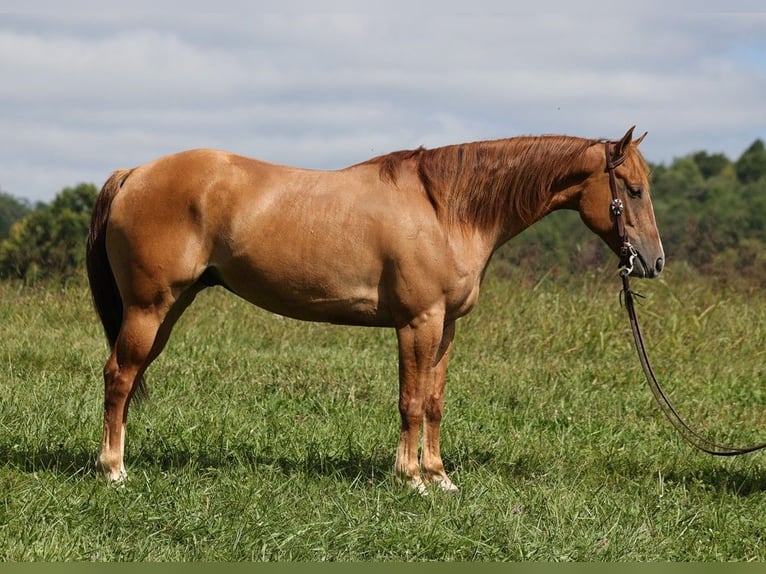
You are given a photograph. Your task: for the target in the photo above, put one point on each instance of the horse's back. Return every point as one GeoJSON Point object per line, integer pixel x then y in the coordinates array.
{"type": "Point", "coordinates": [187, 177]}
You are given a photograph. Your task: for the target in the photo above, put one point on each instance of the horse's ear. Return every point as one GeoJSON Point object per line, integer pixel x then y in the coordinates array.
{"type": "Point", "coordinates": [639, 140]}
{"type": "Point", "coordinates": [622, 145]}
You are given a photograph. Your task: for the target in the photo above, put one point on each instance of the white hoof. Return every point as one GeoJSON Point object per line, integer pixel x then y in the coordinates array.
{"type": "Point", "coordinates": [418, 486]}
{"type": "Point", "coordinates": [112, 477]}
{"type": "Point", "coordinates": [120, 479]}
{"type": "Point", "coordinates": [445, 484]}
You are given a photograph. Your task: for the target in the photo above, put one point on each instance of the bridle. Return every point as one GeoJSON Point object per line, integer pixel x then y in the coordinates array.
{"type": "Point", "coordinates": [627, 255]}
{"type": "Point", "coordinates": [627, 252]}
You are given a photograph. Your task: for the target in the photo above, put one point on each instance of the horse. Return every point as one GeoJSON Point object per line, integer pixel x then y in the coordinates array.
{"type": "Point", "coordinates": [401, 241]}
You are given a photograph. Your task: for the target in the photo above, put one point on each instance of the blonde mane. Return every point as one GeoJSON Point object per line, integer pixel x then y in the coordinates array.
{"type": "Point", "coordinates": [479, 183]}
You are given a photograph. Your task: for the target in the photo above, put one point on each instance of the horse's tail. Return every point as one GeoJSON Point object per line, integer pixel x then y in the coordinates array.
{"type": "Point", "coordinates": [103, 288]}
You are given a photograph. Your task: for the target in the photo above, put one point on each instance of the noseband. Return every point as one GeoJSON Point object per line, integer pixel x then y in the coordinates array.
{"type": "Point", "coordinates": [627, 256]}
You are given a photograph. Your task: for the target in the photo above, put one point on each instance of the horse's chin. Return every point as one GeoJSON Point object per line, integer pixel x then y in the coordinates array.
{"type": "Point", "coordinates": [638, 271]}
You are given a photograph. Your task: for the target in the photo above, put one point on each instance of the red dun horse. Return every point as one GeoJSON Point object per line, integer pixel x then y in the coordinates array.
{"type": "Point", "coordinates": [401, 241]}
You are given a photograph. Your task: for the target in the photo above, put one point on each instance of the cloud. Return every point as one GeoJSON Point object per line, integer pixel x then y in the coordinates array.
{"type": "Point", "coordinates": [86, 92]}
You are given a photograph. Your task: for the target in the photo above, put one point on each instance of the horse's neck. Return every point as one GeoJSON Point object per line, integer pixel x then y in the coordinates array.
{"type": "Point", "coordinates": [561, 192]}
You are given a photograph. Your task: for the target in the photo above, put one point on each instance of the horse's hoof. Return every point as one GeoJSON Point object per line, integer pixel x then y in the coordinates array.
{"type": "Point", "coordinates": [113, 477]}
{"type": "Point", "coordinates": [445, 484]}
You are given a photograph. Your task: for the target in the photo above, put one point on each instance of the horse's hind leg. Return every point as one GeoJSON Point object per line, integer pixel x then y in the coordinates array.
{"type": "Point", "coordinates": [121, 374]}
{"type": "Point", "coordinates": [144, 332]}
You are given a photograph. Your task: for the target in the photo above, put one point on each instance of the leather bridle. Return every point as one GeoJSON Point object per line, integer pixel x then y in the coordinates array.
{"type": "Point", "coordinates": [617, 208]}
{"type": "Point", "coordinates": [627, 255]}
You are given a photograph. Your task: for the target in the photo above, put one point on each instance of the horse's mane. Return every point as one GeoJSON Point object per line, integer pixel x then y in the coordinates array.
{"type": "Point", "coordinates": [479, 183]}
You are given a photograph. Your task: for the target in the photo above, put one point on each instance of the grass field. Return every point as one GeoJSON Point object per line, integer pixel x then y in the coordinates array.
{"type": "Point", "coordinates": [270, 439]}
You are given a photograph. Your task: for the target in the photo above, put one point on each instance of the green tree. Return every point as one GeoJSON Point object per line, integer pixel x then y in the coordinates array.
{"type": "Point", "coordinates": [751, 166]}
{"type": "Point", "coordinates": [710, 165]}
{"type": "Point", "coordinates": [682, 181]}
{"type": "Point", "coordinates": [49, 241]}
{"type": "Point", "coordinates": [11, 210]}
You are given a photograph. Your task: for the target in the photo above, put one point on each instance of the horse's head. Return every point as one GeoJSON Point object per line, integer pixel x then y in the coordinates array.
{"type": "Point", "coordinates": [621, 212]}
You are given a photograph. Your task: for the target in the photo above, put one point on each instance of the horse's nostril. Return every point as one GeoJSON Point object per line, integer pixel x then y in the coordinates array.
{"type": "Point", "coordinates": [659, 264]}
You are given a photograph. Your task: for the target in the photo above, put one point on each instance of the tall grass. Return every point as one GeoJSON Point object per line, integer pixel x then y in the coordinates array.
{"type": "Point", "coordinates": [270, 439]}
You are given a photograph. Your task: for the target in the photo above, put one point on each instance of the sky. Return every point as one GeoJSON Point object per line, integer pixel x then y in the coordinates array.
{"type": "Point", "coordinates": [85, 89]}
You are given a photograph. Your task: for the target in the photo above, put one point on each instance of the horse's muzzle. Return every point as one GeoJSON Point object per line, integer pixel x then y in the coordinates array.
{"type": "Point", "coordinates": [642, 269]}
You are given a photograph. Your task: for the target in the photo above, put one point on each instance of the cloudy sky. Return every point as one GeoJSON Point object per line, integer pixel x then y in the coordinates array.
{"type": "Point", "coordinates": [85, 90]}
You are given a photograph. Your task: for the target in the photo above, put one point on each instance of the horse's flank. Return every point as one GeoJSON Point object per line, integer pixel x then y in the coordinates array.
{"type": "Point", "coordinates": [480, 183]}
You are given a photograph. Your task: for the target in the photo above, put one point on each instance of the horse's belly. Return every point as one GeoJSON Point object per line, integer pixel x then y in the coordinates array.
{"type": "Point", "coordinates": [295, 292]}
{"type": "Point", "coordinates": [340, 311]}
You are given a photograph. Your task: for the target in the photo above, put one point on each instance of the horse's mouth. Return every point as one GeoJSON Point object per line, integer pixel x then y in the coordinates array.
{"type": "Point", "coordinates": [642, 269]}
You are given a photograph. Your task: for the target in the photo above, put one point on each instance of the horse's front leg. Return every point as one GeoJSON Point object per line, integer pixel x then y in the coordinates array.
{"type": "Point", "coordinates": [421, 352]}
{"type": "Point", "coordinates": [431, 460]}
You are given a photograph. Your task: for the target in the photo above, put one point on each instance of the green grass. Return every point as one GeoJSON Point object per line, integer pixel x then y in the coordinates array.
{"type": "Point", "coordinates": [270, 439]}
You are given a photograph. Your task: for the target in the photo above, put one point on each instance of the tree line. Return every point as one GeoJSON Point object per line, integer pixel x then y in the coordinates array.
{"type": "Point", "coordinates": [711, 212]}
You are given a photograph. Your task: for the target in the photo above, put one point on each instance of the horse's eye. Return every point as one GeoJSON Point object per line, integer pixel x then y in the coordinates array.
{"type": "Point", "coordinates": [635, 191]}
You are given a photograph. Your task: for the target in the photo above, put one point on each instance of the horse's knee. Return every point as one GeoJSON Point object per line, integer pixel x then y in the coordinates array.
{"type": "Point", "coordinates": [434, 409]}
{"type": "Point", "coordinates": [411, 410]}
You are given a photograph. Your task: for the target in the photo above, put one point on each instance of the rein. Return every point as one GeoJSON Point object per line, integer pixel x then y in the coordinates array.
{"type": "Point", "coordinates": [627, 256]}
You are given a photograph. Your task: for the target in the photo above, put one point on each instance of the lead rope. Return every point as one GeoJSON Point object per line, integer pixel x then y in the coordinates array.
{"type": "Point", "coordinates": [691, 436]}
{"type": "Point", "coordinates": [627, 256]}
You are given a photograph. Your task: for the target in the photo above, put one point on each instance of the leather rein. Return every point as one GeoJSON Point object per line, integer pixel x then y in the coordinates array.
{"type": "Point", "coordinates": [627, 256]}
